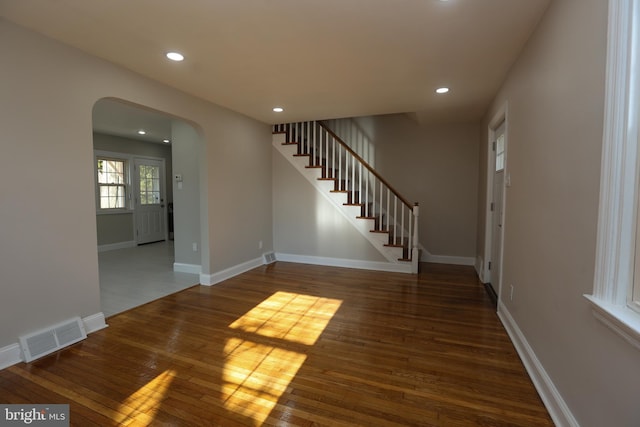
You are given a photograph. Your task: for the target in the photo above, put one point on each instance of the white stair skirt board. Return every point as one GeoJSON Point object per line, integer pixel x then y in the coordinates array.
{"type": "Point", "coordinates": [179, 267]}
{"type": "Point", "coordinates": [11, 354]}
{"type": "Point", "coordinates": [347, 263]}
{"type": "Point", "coordinates": [553, 401]}
{"type": "Point", "coordinates": [392, 254]}
{"type": "Point", "coordinates": [228, 273]}
{"type": "Point", "coordinates": [115, 246]}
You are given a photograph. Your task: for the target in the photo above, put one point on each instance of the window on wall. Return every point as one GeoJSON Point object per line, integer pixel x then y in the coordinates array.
{"type": "Point", "coordinates": [149, 184]}
{"type": "Point", "coordinates": [112, 182]}
{"type": "Point", "coordinates": [500, 153]}
{"type": "Point", "coordinates": [634, 291]}
{"type": "Point", "coordinates": [616, 290]}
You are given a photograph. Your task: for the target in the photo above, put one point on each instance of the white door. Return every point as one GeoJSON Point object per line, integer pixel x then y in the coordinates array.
{"type": "Point", "coordinates": [150, 208]}
{"type": "Point", "coordinates": [497, 208]}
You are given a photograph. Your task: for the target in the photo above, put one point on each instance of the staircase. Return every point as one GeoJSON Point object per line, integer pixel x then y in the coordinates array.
{"type": "Point", "coordinates": [385, 218]}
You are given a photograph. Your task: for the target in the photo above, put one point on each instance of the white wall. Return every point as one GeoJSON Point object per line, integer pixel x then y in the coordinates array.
{"type": "Point", "coordinates": [555, 96]}
{"type": "Point", "coordinates": [48, 256]}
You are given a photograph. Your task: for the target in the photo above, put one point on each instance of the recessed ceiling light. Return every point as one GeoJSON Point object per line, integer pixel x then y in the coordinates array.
{"type": "Point", "coordinates": [442, 90]}
{"type": "Point", "coordinates": [166, 141]}
{"type": "Point", "coordinates": [175, 56]}
{"type": "Point", "coordinates": [278, 109]}
{"type": "Point", "coordinates": [142, 132]}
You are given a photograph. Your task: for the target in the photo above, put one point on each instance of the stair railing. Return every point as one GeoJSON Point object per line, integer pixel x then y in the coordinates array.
{"type": "Point", "coordinates": [379, 201]}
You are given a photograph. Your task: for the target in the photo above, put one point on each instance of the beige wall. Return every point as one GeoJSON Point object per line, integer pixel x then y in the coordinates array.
{"type": "Point", "coordinates": [114, 228]}
{"type": "Point", "coordinates": [555, 96]}
{"type": "Point", "coordinates": [48, 256]}
{"type": "Point", "coordinates": [186, 145]}
{"type": "Point", "coordinates": [435, 165]}
{"type": "Point", "coordinates": [305, 223]}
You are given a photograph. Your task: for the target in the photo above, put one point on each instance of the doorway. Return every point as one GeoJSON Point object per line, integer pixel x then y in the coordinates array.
{"type": "Point", "coordinates": [137, 260]}
{"type": "Point", "coordinates": [149, 199]}
{"type": "Point", "coordinates": [497, 180]}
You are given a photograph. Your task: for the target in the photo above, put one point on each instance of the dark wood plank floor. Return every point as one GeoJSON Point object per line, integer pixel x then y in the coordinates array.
{"type": "Point", "coordinates": [292, 344]}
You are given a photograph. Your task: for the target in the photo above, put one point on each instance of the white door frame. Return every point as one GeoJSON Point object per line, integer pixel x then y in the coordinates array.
{"type": "Point", "coordinates": [500, 116]}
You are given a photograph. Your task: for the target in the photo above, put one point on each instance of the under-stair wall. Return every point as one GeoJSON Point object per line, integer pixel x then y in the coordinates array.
{"type": "Point", "coordinates": [307, 227]}
{"type": "Point", "coordinates": [355, 190]}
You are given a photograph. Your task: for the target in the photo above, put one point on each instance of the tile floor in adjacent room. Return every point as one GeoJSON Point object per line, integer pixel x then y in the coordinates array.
{"type": "Point", "coordinates": [134, 276]}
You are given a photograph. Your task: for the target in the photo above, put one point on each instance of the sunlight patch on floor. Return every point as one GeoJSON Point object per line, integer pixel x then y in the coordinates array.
{"type": "Point", "coordinates": [290, 317]}
{"type": "Point", "coordinates": [256, 373]}
{"type": "Point", "coordinates": [141, 407]}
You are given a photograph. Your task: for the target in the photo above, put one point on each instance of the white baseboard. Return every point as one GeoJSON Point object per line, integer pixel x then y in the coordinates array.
{"type": "Point", "coordinates": [186, 268]}
{"type": "Point", "coordinates": [11, 354]}
{"type": "Point", "coordinates": [479, 270]}
{"type": "Point", "coordinates": [115, 246]}
{"type": "Point", "coordinates": [94, 323]}
{"type": "Point", "coordinates": [212, 279]}
{"type": "Point", "coordinates": [446, 259]}
{"type": "Point", "coordinates": [553, 401]}
{"type": "Point", "coordinates": [348, 263]}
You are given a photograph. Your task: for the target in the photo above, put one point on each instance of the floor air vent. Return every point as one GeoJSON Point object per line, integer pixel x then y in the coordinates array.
{"type": "Point", "coordinates": [269, 258]}
{"type": "Point", "coordinates": [54, 338]}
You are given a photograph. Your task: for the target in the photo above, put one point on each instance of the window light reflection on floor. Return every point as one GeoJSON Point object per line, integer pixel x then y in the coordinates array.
{"type": "Point", "coordinates": [256, 373]}
{"type": "Point", "coordinates": [142, 405]}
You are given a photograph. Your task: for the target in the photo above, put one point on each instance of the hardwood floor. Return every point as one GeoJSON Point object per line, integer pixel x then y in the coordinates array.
{"type": "Point", "coordinates": [293, 344]}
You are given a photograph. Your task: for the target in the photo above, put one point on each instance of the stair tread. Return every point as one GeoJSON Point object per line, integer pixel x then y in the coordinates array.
{"type": "Point", "coordinates": [394, 246]}
{"type": "Point", "coordinates": [379, 231]}
{"type": "Point", "coordinates": [289, 143]}
{"type": "Point", "coordinates": [367, 217]}
{"type": "Point", "coordinates": [352, 204]}
{"type": "Point", "coordinates": [301, 155]}
{"type": "Point", "coordinates": [314, 167]}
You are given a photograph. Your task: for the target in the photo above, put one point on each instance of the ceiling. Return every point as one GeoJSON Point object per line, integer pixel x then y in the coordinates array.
{"type": "Point", "coordinates": [115, 117]}
{"type": "Point", "coordinates": [316, 59]}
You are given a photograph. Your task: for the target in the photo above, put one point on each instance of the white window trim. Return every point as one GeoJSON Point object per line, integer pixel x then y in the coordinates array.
{"type": "Point", "coordinates": [615, 253]}
{"type": "Point", "coordinates": [128, 159]}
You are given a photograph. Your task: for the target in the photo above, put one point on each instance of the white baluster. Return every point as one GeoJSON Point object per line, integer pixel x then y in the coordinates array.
{"type": "Point", "coordinates": [402, 224]}
{"type": "Point", "coordinates": [415, 252]}
{"type": "Point", "coordinates": [360, 185]}
{"type": "Point", "coordinates": [410, 236]}
{"type": "Point", "coordinates": [333, 158]}
{"type": "Point", "coordinates": [367, 211]}
{"type": "Point", "coordinates": [388, 205]}
{"type": "Point", "coordinates": [395, 219]}
{"type": "Point", "coordinates": [308, 145]}
{"type": "Point", "coordinates": [340, 166]}
{"type": "Point", "coordinates": [381, 218]}
{"type": "Point", "coordinates": [316, 157]}
{"type": "Point", "coordinates": [353, 178]}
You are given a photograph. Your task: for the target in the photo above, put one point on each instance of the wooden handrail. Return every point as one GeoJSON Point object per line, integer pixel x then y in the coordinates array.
{"type": "Point", "coordinates": [366, 165]}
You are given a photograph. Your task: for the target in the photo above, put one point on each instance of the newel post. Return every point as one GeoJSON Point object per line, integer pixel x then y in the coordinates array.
{"type": "Point", "coordinates": [415, 252]}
